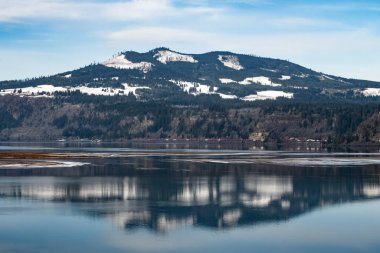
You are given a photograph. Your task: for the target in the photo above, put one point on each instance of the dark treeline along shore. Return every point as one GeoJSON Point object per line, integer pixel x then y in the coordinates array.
{"type": "Point", "coordinates": [86, 117]}
{"type": "Point", "coordinates": [164, 94]}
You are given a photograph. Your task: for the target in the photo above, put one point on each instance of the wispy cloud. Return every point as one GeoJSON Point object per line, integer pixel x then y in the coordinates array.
{"type": "Point", "coordinates": [12, 11]}
{"type": "Point", "coordinates": [335, 6]}
{"type": "Point", "coordinates": [18, 10]}
{"type": "Point", "coordinates": [158, 36]}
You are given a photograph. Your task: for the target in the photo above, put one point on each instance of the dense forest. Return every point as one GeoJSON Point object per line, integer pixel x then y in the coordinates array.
{"type": "Point", "coordinates": [123, 118]}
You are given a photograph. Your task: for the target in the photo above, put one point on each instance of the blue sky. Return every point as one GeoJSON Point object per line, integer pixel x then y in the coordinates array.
{"type": "Point", "coordinates": [41, 37]}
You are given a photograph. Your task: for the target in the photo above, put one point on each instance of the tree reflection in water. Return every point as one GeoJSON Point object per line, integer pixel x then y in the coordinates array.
{"type": "Point", "coordinates": [161, 193]}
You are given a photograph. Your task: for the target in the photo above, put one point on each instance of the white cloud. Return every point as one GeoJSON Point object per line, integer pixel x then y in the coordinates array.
{"type": "Point", "coordinates": [302, 22]}
{"type": "Point", "coordinates": [150, 37]}
{"type": "Point", "coordinates": [337, 7]}
{"type": "Point", "coordinates": [137, 9]}
{"type": "Point", "coordinates": [16, 10]}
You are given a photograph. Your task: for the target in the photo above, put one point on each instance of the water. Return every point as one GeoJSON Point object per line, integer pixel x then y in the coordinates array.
{"type": "Point", "coordinates": [127, 200]}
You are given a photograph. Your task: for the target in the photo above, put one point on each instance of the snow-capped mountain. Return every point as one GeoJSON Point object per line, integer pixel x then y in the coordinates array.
{"type": "Point", "coordinates": [163, 73]}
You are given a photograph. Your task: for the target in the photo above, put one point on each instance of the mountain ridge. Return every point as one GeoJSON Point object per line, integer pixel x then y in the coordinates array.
{"type": "Point", "coordinates": [163, 94]}
{"type": "Point", "coordinates": [225, 74]}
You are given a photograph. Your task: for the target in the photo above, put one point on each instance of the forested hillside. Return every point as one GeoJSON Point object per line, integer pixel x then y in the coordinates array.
{"type": "Point", "coordinates": [34, 119]}
{"type": "Point", "coordinates": [163, 94]}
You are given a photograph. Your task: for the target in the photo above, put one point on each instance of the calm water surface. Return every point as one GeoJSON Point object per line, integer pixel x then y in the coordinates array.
{"type": "Point", "coordinates": [193, 201]}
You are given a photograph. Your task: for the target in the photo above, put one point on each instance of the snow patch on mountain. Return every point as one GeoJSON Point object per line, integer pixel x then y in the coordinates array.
{"type": "Point", "coordinates": [98, 91]}
{"type": "Point", "coordinates": [49, 90]}
{"type": "Point", "coordinates": [299, 87]}
{"type": "Point", "coordinates": [195, 89]}
{"type": "Point", "coordinates": [38, 91]}
{"type": "Point", "coordinates": [133, 89]}
{"type": "Point", "coordinates": [268, 94]}
{"type": "Point", "coordinates": [285, 78]}
{"type": "Point", "coordinates": [227, 96]}
{"type": "Point", "coordinates": [262, 80]}
{"type": "Point", "coordinates": [230, 61]}
{"type": "Point", "coordinates": [67, 76]}
{"type": "Point", "coordinates": [324, 77]}
{"type": "Point", "coordinates": [166, 56]}
{"type": "Point", "coordinates": [302, 75]}
{"type": "Point", "coordinates": [121, 62]}
{"type": "Point", "coordinates": [371, 92]}
{"type": "Point", "coordinates": [342, 81]}
{"type": "Point", "coordinates": [270, 70]}
{"type": "Point", "coordinates": [226, 80]}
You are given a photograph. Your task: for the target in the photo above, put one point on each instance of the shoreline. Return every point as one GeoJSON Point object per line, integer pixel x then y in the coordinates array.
{"type": "Point", "coordinates": [57, 159]}
{"type": "Point", "coordinates": [221, 144]}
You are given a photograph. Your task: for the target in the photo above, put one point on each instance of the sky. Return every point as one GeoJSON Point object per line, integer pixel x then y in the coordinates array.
{"type": "Point", "coordinates": [43, 37]}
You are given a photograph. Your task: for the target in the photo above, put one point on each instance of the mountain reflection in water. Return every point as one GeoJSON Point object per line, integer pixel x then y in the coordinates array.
{"type": "Point", "coordinates": [163, 194]}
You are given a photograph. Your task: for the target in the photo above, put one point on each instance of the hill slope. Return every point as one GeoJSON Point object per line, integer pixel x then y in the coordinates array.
{"type": "Point", "coordinates": [167, 94]}
{"type": "Point", "coordinates": [162, 74]}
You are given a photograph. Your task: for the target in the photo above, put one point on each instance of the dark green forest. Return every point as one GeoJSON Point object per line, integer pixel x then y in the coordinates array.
{"type": "Point", "coordinates": [123, 118]}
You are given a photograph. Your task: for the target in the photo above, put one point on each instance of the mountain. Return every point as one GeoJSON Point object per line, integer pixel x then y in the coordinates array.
{"type": "Point", "coordinates": [165, 75]}
{"type": "Point", "coordinates": [163, 94]}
